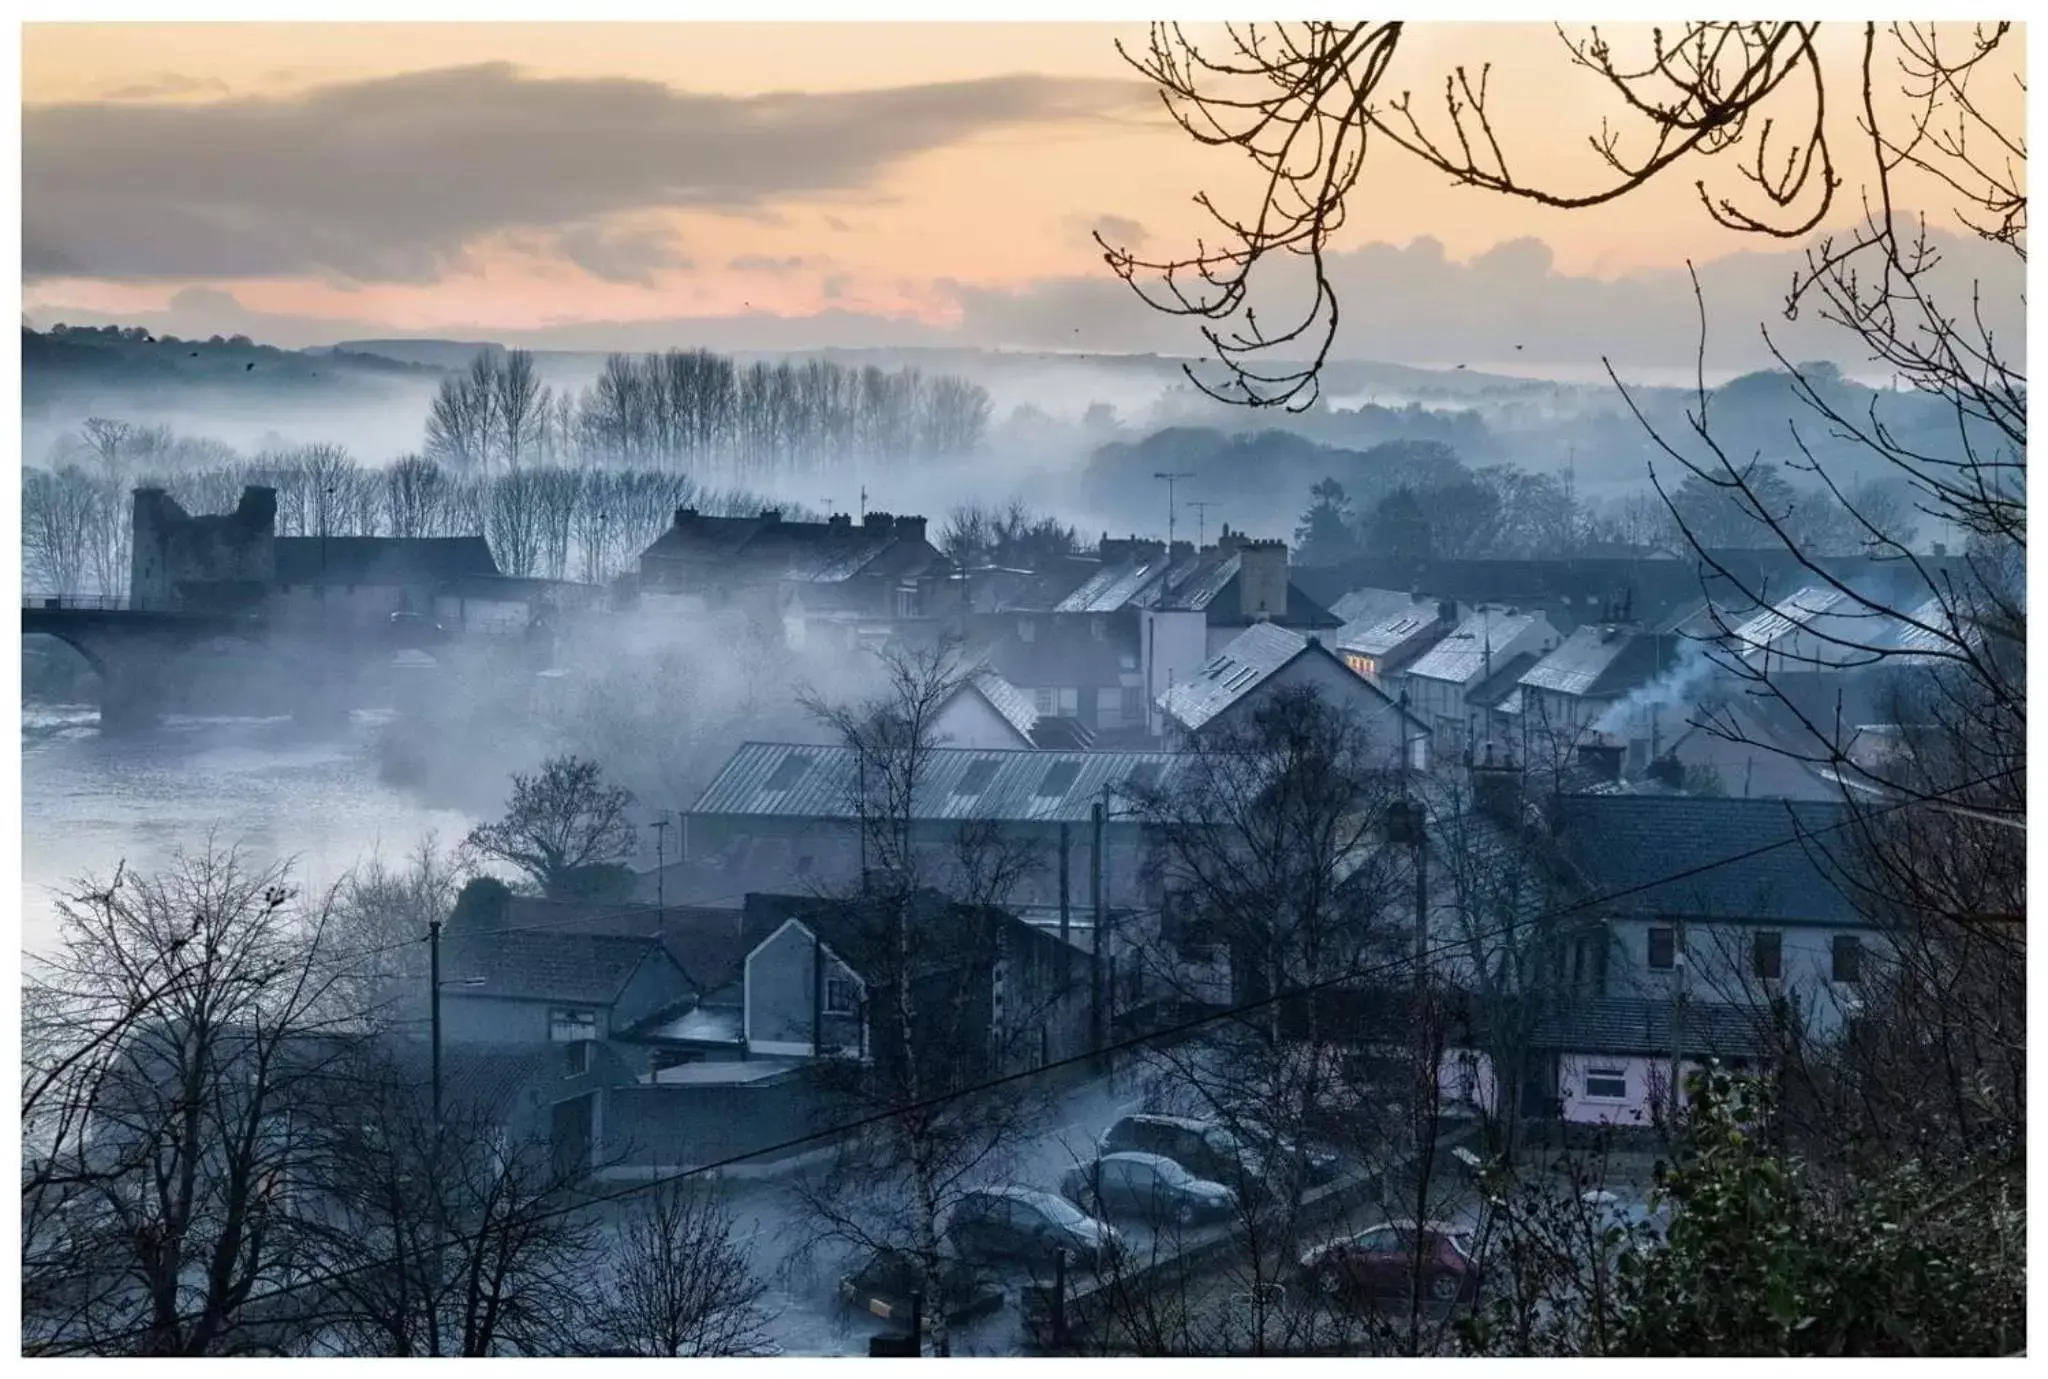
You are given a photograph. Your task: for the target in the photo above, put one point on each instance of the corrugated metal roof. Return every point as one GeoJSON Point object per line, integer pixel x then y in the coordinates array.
{"type": "Point", "coordinates": [1462, 655]}
{"type": "Point", "coordinates": [1243, 664]}
{"type": "Point", "coordinates": [1013, 785]}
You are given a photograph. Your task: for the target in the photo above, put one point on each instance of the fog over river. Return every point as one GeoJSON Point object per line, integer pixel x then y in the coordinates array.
{"type": "Point", "coordinates": [90, 802]}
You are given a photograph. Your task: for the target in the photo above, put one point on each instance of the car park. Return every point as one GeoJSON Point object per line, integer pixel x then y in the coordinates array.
{"type": "Point", "coordinates": [1150, 1187]}
{"type": "Point", "coordinates": [1205, 1149]}
{"type": "Point", "coordinates": [1020, 1223]}
{"type": "Point", "coordinates": [1383, 1261]}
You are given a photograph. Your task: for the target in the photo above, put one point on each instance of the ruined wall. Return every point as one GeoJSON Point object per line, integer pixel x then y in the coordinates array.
{"type": "Point", "coordinates": [180, 561]}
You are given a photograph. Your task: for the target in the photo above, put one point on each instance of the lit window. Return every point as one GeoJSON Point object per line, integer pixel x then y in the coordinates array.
{"type": "Point", "coordinates": [839, 996]}
{"type": "Point", "coordinates": [1606, 1084]}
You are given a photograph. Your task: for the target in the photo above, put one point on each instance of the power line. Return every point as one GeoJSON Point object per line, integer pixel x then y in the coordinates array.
{"type": "Point", "coordinates": [1128, 1043]}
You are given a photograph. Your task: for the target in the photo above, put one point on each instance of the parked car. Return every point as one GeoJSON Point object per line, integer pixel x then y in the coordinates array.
{"type": "Point", "coordinates": [1205, 1149]}
{"type": "Point", "coordinates": [1378, 1263]}
{"type": "Point", "coordinates": [1314, 1164]}
{"type": "Point", "coordinates": [1149, 1186]}
{"type": "Point", "coordinates": [1024, 1223]}
{"type": "Point", "coordinates": [885, 1284]}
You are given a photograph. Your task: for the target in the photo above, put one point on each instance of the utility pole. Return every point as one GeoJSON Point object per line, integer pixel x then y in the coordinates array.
{"type": "Point", "coordinates": [1170, 478]}
{"type": "Point", "coordinates": [863, 504]}
{"type": "Point", "coordinates": [1066, 909]}
{"type": "Point", "coordinates": [660, 872]}
{"type": "Point", "coordinates": [1201, 524]}
{"type": "Point", "coordinates": [1095, 954]}
{"type": "Point", "coordinates": [1678, 982]}
{"type": "Point", "coordinates": [440, 1221]}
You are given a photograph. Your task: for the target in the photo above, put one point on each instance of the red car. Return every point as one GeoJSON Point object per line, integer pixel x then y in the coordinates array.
{"type": "Point", "coordinates": [1378, 1263]}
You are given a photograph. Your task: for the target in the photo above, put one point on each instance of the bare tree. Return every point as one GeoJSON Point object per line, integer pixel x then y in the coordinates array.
{"type": "Point", "coordinates": [414, 493]}
{"type": "Point", "coordinates": [177, 1025]}
{"type": "Point", "coordinates": [680, 1284]}
{"type": "Point", "coordinates": [518, 407]}
{"type": "Point", "coordinates": [562, 821]}
{"type": "Point", "coordinates": [58, 515]}
{"type": "Point", "coordinates": [925, 930]}
{"type": "Point", "coordinates": [463, 418]}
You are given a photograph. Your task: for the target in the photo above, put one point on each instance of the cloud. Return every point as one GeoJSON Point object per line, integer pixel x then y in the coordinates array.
{"type": "Point", "coordinates": [388, 179]}
{"type": "Point", "coordinates": [623, 252]}
{"type": "Point", "coordinates": [169, 85]}
{"type": "Point", "coordinates": [1121, 231]}
{"type": "Point", "coordinates": [780, 267]}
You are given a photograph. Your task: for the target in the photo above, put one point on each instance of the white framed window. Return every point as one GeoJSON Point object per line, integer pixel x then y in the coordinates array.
{"type": "Point", "coordinates": [840, 996]}
{"type": "Point", "coordinates": [567, 1026]}
{"type": "Point", "coordinates": [1607, 1084]}
{"type": "Point", "coordinates": [1046, 701]}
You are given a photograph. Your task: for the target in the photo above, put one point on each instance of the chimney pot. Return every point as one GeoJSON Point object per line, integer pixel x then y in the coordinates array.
{"type": "Point", "coordinates": [685, 516]}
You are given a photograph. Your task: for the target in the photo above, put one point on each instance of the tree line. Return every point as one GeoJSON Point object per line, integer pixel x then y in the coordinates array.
{"type": "Point", "coordinates": [704, 413]}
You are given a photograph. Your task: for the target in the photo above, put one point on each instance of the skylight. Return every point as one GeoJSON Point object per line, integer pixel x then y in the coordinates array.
{"type": "Point", "coordinates": [1060, 779]}
{"type": "Point", "coordinates": [786, 776]}
{"type": "Point", "coordinates": [977, 777]}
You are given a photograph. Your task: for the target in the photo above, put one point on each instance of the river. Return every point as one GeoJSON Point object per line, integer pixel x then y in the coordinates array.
{"type": "Point", "coordinates": [89, 802]}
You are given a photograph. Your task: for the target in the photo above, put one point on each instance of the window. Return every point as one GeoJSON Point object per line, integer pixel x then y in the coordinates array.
{"type": "Point", "coordinates": [1768, 956]}
{"type": "Point", "coordinates": [1059, 780]}
{"type": "Point", "coordinates": [1848, 958]}
{"type": "Point", "coordinates": [1045, 701]}
{"type": "Point", "coordinates": [908, 605]}
{"type": "Point", "coordinates": [578, 1062]}
{"type": "Point", "coordinates": [566, 1026]}
{"type": "Point", "coordinates": [1133, 707]}
{"type": "Point", "coordinates": [1606, 1084]}
{"type": "Point", "coordinates": [788, 773]}
{"type": "Point", "coordinates": [977, 777]}
{"type": "Point", "coordinates": [1663, 949]}
{"type": "Point", "coordinates": [839, 996]}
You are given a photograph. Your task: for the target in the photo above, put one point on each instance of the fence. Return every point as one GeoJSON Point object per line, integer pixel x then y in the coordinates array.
{"type": "Point", "coordinates": [80, 603]}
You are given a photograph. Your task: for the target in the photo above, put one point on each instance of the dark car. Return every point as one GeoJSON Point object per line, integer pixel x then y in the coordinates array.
{"type": "Point", "coordinates": [1203, 1148]}
{"type": "Point", "coordinates": [1026, 1224]}
{"type": "Point", "coordinates": [885, 1285]}
{"type": "Point", "coordinates": [1379, 1263]}
{"type": "Point", "coordinates": [1151, 1187]}
{"type": "Point", "coordinates": [1314, 1165]}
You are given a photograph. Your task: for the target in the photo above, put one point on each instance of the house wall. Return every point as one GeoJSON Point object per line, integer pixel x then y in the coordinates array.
{"type": "Point", "coordinates": [1719, 962]}
{"type": "Point", "coordinates": [497, 1020]}
{"type": "Point", "coordinates": [781, 996]}
{"type": "Point", "coordinates": [363, 603]}
{"type": "Point", "coordinates": [502, 617]}
{"type": "Point", "coordinates": [1648, 1087]}
{"type": "Point", "coordinates": [667, 1129]}
{"type": "Point", "coordinates": [1338, 686]}
{"type": "Point", "coordinates": [1173, 648]}
{"type": "Point", "coordinates": [967, 720]}
{"type": "Point", "coordinates": [659, 982]}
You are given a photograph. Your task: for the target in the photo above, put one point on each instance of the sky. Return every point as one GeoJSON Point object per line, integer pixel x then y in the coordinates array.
{"type": "Point", "coordinates": [776, 186]}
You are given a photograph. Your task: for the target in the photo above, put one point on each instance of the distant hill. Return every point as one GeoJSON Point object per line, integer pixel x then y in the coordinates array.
{"type": "Point", "coordinates": [437, 354]}
{"type": "Point", "coordinates": [62, 359]}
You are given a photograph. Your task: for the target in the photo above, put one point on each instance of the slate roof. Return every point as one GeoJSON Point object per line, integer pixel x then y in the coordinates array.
{"type": "Point", "coordinates": [1601, 661]}
{"type": "Point", "coordinates": [1497, 689]}
{"type": "Point", "coordinates": [1114, 586]}
{"type": "Point", "coordinates": [588, 969]}
{"type": "Point", "coordinates": [1369, 606]}
{"type": "Point", "coordinates": [1631, 1025]}
{"type": "Point", "coordinates": [802, 781]}
{"type": "Point", "coordinates": [1012, 704]}
{"type": "Point", "coordinates": [765, 546]}
{"type": "Point", "coordinates": [1389, 633]}
{"type": "Point", "coordinates": [380, 560]}
{"type": "Point", "coordinates": [1205, 582]}
{"type": "Point", "coordinates": [1247, 661]}
{"type": "Point", "coordinates": [1762, 629]}
{"type": "Point", "coordinates": [1461, 656]}
{"type": "Point", "coordinates": [1621, 842]}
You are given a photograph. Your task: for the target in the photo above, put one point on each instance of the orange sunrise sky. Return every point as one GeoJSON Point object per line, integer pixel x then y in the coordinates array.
{"type": "Point", "coordinates": [434, 177]}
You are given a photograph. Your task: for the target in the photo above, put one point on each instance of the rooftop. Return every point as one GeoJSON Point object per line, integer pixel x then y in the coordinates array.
{"type": "Point", "coordinates": [1626, 1025]}
{"type": "Point", "coordinates": [1753, 859]}
{"type": "Point", "coordinates": [1601, 661]}
{"type": "Point", "coordinates": [1369, 606]}
{"type": "Point", "coordinates": [590, 969]}
{"type": "Point", "coordinates": [796, 780]}
{"type": "Point", "coordinates": [355, 560]}
{"type": "Point", "coordinates": [1468, 651]}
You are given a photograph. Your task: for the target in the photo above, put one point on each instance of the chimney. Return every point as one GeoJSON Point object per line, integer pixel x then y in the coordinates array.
{"type": "Point", "coordinates": [878, 521]}
{"type": "Point", "coordinates": [840, 521]}
{"type": "Point", "coordinates": [685, 516]}
{"type": "Point", "coordinates": [1447, 613]}
{"type": "Point", "coordinates": [1601, 759]}
{"type": "Point", "coordinates": [1228, 540]}
{"type": "Point", "coordinates": [910, 528]}
{"type": "Point", "coordinates": [1497, 788]}
{"type": "Point", "coordinates": [258, 507]}
{"type": "Point", "coordinates": [770, 516]}
{"type": "Point", "coordinates": [1667, 771]}
{"type": "Point", "coordinates": [1262, 580]}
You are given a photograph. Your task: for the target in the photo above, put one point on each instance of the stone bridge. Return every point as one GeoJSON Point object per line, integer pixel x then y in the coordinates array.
{"type": "Point", "coordinates": [136, 652]}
